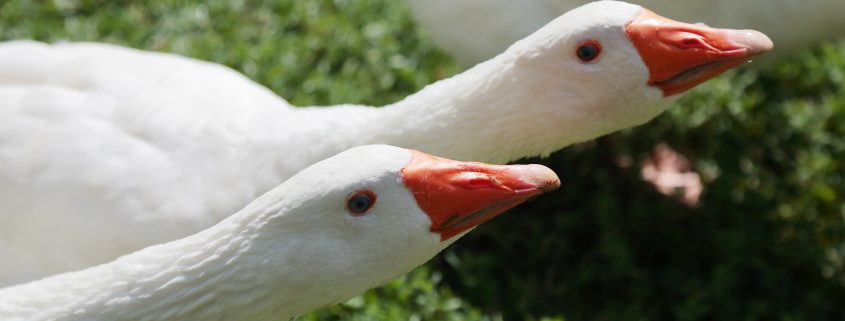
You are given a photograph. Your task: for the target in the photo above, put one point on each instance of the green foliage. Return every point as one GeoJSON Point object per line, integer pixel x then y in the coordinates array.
{"type": "Point", "coordinates": [766, 242]}
{"type": "Point", "coordinates": [417, 296]}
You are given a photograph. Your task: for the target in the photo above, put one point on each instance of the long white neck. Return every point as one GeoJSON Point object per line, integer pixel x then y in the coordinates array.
{"type": "Point", "coordinates": [224, 273]}
{"type": "Point", "coordinates": [495, 112]}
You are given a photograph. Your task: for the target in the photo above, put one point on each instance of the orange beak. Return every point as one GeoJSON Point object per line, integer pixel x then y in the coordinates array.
{"type": "Point", "coordinates": [680, 56]}
{"type": "Point", "coordinates": [458, 196]}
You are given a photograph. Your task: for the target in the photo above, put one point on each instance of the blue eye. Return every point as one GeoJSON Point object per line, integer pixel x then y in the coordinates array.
{"type": "Point", "coordinates": [588, 50]}
{"type": "Point", "coordinates": [359, 203]}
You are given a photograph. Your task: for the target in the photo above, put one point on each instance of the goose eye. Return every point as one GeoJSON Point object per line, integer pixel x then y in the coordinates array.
{"type": "Point", "coordinates": [360, 202]}
{"type": "Point", "coordinates": [588, 51]}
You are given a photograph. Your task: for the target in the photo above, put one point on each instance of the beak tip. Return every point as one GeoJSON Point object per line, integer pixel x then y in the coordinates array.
{"type": "Point", "coordinates": [540, 177]}
{"type": "Point", "coordinates": [756, 42]}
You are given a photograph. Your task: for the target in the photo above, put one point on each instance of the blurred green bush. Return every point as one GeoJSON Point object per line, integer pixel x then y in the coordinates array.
{"type": "Point", "coordinates": [765, 243]}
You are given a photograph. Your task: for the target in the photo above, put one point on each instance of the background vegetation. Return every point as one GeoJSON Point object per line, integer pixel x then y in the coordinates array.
{"type": "Point", "coordinates": [765, 243]}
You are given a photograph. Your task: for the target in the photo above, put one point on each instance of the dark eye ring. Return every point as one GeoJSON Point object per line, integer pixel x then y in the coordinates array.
{"type": "Point", "coordinates": [360, 202]}
{"type": "Point", "coordinates": [588, 51]}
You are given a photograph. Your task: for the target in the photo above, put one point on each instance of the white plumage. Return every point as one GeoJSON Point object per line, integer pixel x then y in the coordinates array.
{"type": "Point", "coordinates": [105, 150]}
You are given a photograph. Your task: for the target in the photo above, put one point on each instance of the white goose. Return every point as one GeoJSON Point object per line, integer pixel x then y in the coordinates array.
{"type": "Point", "coordinates": [475, 30]}
{"type": "Point", "coordinates": [105, 150]}
{"type": "Point", "coordinates": [339, 227]}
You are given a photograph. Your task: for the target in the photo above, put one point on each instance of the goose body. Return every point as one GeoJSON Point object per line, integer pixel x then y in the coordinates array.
{"type": "Point", "coordinates": [475, 30]}
{"type": "Point", "coordinates": [334, 230]}
{"type": "Point", "coordinates": [105, 150]}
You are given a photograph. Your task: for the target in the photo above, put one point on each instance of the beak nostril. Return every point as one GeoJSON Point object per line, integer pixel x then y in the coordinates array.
{"type": "Point", "coordinates": [475, 180]}
{"type": "Point", "coordinates": [479, 182]}
{"type": "Point", "coordinates": [690, 42]}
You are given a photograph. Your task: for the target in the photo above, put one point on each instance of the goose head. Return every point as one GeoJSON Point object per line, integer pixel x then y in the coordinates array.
{"type": "Point", "coordinates": [373, 213]}
{"type": "Point", "coordinates": [599, 68]}
{"type": "Point", "coordinates": [620, 62]}
{"type": "Point", "coordinates": [614, 65]}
